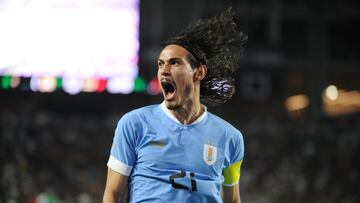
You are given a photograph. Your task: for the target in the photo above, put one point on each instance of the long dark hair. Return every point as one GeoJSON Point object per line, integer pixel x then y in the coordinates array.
{"type": "Point", "coordinates": [216, 43]}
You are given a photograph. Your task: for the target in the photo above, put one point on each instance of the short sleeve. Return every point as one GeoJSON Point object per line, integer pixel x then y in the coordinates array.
{"type": "Point", "coordinates": [236, 151]}
{"type": "Point", "coordinates": [237, 147]}
{"type": "Point", "coordinates": [123, 154]}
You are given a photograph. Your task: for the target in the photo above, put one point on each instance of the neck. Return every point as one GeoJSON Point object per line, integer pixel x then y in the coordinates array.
{"type": "Point", "coordinates": [188, 113]}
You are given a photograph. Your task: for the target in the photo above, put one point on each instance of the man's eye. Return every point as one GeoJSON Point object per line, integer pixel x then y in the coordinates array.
{"type": "Point", "coordinates": [175, 62]}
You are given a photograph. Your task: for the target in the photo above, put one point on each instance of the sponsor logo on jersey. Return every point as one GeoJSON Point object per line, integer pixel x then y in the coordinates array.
{"type": "Point", "coordinates": [158, 143]}
{"type": "Point", "coordinates": [209, 154]}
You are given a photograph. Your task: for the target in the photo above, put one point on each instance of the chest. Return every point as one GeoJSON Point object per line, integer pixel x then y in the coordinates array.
{"type": "Point", "coordinates": [198, 149]}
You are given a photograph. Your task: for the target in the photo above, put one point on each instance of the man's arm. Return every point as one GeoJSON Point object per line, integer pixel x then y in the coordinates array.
{"type": "Point", "coordinates": [231, 194]}
{"type": "Point", "coordinates": [231, 189]}
{"type": "Point", "coordinates": [115, 189]}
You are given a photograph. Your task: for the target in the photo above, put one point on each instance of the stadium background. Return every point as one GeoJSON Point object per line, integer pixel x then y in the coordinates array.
{"type": "Point", "coordinates": [297, 104]}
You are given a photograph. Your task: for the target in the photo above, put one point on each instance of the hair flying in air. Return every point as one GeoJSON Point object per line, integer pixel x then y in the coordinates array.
{"type": "Point", "coordinates": [217, 43]}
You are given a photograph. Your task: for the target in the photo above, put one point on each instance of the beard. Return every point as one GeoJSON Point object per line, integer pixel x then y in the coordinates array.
{"type": "Point", "coordinates": [172, 105]}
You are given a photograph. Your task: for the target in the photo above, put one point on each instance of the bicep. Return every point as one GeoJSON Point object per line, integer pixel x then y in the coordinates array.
{"type": "Point", "coordinates": [116, 185]}
{"type": "Point", "coordinates": [230, 189]}
{"type": "Point", "coordinates": [231, 194]}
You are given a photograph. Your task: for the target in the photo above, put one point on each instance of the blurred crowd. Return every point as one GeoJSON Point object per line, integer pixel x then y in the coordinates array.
{"type": "Point", "coordinates": [60, 157]}
{"type": "Point", "coordinates": [51, 157]}
{"type": "Point", "coordinates": [309, 160]}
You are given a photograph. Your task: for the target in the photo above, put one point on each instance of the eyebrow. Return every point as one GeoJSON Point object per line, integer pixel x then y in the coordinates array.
{"type": "Point", "coordinates": [170, 59]}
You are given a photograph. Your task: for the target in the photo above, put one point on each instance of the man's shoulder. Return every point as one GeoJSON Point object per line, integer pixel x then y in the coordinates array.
{"type": "Point", "coordinates": [217, 119]}
{"type": "Point", "coordinates": [141, 113]}
{"type": "Point", "coordinates": [220, 122]}
{"type": "Point", "coordinates": [144, 109]}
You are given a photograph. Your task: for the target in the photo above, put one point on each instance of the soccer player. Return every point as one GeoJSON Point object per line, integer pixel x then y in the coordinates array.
{"type": "Point", "coordinates": [177, 151]}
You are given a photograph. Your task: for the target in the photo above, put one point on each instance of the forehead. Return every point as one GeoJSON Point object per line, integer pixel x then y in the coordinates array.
{"type": "Point", "coordinates": [173, 51]}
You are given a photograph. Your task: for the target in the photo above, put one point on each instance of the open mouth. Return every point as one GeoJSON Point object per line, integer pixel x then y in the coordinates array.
{"type": "Point", "coordinates": [168, 89]}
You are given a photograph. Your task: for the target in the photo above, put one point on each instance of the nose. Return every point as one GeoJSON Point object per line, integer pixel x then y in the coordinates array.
{"type": "Point", "coordinates": [165, 70]}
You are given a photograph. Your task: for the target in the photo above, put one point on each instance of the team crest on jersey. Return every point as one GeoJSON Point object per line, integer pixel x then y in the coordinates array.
{"type": "Point", "coordinates": [209, 154]}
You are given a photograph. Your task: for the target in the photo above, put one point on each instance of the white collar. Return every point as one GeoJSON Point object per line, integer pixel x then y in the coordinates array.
{"type": "Point", "coordinates": [172, 117]}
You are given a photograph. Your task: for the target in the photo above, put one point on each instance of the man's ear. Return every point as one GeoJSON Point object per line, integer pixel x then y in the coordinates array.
{"type": "Point", "coordinates": [200, 73]}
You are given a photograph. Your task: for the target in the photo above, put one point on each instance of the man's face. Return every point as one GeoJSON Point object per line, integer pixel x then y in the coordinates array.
{"type": "Point", "coordinates": [176, 76]}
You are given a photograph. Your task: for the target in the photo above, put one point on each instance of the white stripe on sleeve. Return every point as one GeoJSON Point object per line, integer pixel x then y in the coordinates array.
{"type": "Point", "coordinates": [230, 185]}
{"type": "Point", "coordinates": [119, 166]}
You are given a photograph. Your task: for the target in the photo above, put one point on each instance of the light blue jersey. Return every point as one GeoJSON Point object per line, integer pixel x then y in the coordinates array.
{"type": "Point", "coordinates": [171, 162]}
